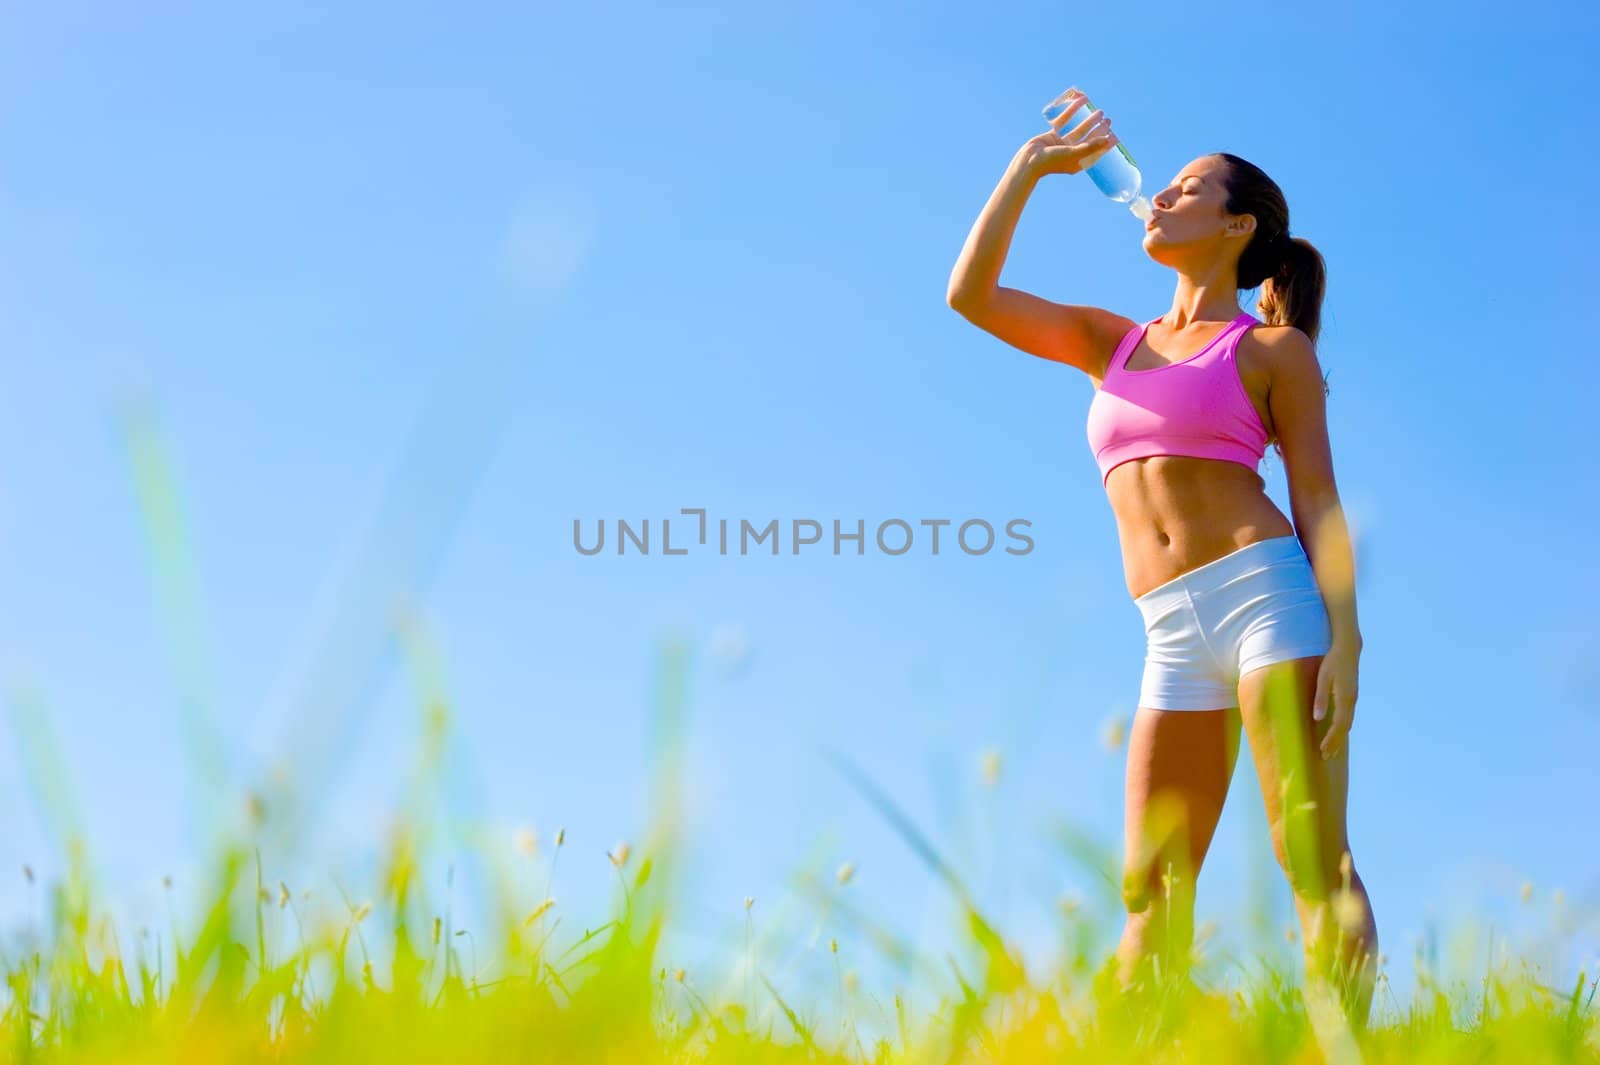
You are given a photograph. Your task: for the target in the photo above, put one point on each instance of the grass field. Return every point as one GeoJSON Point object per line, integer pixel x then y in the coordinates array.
{"type": "Point", "coordinates": [269, 973]}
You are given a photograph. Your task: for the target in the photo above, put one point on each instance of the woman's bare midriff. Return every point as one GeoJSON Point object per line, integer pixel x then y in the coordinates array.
{"type": "Point", "coordinates": [1175, 513]}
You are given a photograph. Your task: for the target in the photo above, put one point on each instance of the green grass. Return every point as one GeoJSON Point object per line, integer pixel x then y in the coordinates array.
{"type": "Point", "coordinates": [264, 976]}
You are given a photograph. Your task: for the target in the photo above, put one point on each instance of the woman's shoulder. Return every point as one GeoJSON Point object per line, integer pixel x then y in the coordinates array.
{"type": "Point", "coordinates": [1278, 341]}
{"type": "Point", "coordinates": [1276, 335]}
{"type": "Point", "coordinates": [1265, 350]}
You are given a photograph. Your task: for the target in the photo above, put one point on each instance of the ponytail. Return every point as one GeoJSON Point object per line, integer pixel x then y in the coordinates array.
{"type": "Point", "coordinates": [1290, 271]}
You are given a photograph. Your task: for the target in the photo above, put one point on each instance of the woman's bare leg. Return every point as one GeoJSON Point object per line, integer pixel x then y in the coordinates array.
{"type": "Point", "coordinates": [1179, 765]}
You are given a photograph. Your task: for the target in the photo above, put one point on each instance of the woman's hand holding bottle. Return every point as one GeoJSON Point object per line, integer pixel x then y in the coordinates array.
{"type": "Point", "coordinates": [1052, 152]}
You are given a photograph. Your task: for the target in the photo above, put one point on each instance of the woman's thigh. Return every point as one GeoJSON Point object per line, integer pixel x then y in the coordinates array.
{"type": "Point", "coordinates": [1179, 765]}
{"type": "Point", "coordinates": [1305, 794]}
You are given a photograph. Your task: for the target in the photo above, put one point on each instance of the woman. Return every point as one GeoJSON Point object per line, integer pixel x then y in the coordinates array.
{"type": "Point", "coordinates": [1250, 620]}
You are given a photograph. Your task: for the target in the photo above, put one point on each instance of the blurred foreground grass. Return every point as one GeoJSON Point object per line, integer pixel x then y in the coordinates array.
{"type": "Point", "coordinates": [257, 971]}
{"type": "Point", "coordinates": [265, 976]}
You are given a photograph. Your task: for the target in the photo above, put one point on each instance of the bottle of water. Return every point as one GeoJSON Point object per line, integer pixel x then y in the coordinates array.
{"type": "Point", "coordinates": [1114, 171]}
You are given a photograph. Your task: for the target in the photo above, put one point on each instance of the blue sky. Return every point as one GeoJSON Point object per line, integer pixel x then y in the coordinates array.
{"type": "Point", "coordinates": [402, 294]}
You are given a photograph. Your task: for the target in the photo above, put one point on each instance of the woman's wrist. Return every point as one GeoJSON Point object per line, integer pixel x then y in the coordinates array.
{"type": "Point", "coordinates": [1024, 167]}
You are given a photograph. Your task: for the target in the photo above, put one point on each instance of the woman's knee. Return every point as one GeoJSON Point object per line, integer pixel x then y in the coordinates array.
{"type": "Point", "coordinates": [1314, 867]}
{"type": "Point", "coordinates": [1169, 884]}
{"type": "Point", "coordinates": [1136, 893]}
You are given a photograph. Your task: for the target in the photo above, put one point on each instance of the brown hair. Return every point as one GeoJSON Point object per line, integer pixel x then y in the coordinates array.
{"type": "Point", "coordinates": [1291, 273]}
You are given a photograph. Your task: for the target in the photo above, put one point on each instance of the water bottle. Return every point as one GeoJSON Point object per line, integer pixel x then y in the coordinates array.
{"type": "Point", "coordinates": [1114, 171]}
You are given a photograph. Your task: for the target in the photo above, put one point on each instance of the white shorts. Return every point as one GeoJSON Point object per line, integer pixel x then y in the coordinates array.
{"type": "Point", "coordinates": [1207, 627]}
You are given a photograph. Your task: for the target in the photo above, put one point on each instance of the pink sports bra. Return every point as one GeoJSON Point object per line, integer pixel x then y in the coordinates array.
{"type": "Point", "coordinates": [1197, 407]}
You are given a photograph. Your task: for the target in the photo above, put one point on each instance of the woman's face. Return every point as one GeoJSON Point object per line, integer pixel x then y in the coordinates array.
{"type": "Point", "coordinates": [1190, 225]}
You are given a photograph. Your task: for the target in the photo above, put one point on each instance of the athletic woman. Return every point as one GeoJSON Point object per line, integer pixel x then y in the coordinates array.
{"type": "Point", "coordinates": [1250, 620]}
